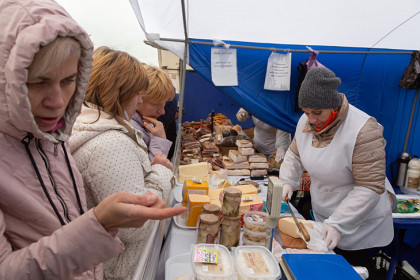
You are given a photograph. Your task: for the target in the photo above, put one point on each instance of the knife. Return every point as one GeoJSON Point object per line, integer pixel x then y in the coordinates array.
{"type": "Point", "coordinates": [299, 225]}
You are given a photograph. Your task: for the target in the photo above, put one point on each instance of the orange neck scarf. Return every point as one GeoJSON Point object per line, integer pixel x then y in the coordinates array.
{"type": "Point", "coordinates": [332, 117]}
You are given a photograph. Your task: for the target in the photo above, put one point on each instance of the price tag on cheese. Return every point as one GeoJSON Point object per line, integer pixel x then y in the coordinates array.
{"type": "Point", "coordinates": [205, 256]}
{"type": "Point", "coordinates": [196, 180]}
{"type": "Point", "coordinates": [246, 198]}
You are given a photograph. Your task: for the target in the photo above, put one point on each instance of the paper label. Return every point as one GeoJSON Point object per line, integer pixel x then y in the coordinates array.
{"type": "Point", "coordinates": [277, 76]}
{"type": "Point", "coordinates": [224, 69]}
{"type": "Point", "coordinates": [255, 261]}
{"type": "Point", "coordinates": [205, 256]}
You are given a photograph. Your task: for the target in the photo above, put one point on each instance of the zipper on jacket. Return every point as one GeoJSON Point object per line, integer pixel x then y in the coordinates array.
{"type": "Point", "coordinates": [47, 165]}
{"type": "Point", "coordinates": [55, 149]}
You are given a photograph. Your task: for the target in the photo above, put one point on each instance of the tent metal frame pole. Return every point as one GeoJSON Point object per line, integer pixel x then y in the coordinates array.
{"type": "Point", "coordinates": [407, 136]}
{"type": "Point", "coordinates": [190, 42]}
{"type": "Point", "coordinates": [183, 67]}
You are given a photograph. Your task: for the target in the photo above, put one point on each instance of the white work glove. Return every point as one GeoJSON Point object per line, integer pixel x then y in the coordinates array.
{"type": "Point", "coordinates": [287, 191]}
{"type": "Point", "coordinates": [280, 154]}
{"type": "Point", "coordinates": [331, 235]}
{"type": "Point", "coordinates": [242, 115]}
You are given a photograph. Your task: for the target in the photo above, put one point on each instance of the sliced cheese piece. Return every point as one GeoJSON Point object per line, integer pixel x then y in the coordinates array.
{"type": "Point", "coordinates": [216, 202]}
{"type": "Point", "coordinates": [288, 226]}
{"type": "Point", "coordinates": [214, 193]}
{"type": "Point", "coordinates": [250, 202]}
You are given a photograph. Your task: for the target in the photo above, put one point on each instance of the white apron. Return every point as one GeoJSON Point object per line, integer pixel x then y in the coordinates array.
{"type": "Point", "coordinates": [330, 169]}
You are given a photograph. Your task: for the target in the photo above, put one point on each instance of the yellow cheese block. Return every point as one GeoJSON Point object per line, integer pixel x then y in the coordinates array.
{"type": "Point", "coordinates": [191, 187]}
{"type": "Point", "coordinates": [195, 205]}
{"type": "Point", "coordinates": [224, 184]}
{"type": "Point", "coordinates": [198, 170]}
{"type": "Point", "coordinates": [287, 225]}
{"type": "Point", "coordinates": [214, 193]}
{"type": "Point", "coordinates": [246, 189]}
{"type": "Point", "coordinates": [250, 202]}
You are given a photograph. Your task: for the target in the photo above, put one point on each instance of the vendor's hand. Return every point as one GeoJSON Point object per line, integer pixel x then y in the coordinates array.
{"type": "Point", "coordinates": [242, 115]}
{"type": "Point", "coordinates": [155, 127]}
{"type": "Point", "coordinates": [280, 154]}
{"type": "Point", "coordinates": [127, 210]}
{"type": "Point", "coordinates": [331, 235]}
{"type": "Point", "coordinates": [287, 192]}
{"type": "Point", "coordinates": [160, 158]}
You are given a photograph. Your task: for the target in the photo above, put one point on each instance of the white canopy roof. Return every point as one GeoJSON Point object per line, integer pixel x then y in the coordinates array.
{"type": "Point", "coordinates": [387, 24]}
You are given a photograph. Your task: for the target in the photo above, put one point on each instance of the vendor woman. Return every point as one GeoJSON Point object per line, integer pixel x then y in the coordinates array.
{"type": "Point", "coordinates": [343, 150]}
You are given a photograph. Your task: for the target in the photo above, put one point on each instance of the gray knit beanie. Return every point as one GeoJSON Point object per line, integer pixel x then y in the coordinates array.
{"type": "Point", "coordinates": [319, 89]}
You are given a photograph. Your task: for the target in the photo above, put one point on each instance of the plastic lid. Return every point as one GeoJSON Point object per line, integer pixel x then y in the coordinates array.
{"type": "Point", "coordinates": [224, 268]}
{"type": "Point", "coordinates": [256, 262]}
{"type": "Point", "coordinates": [259, 234]}
{"type": "Point", "coordinates": [246, 241]}
{"type": "Point", "coordinates": [255, 220]}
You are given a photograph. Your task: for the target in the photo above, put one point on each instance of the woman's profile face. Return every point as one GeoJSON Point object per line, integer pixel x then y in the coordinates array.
{"type": "Point", "coordinates": [317, 117]}
{"type": "Point", "coordinates": [131, 106]}
{"type": "Point", "coordinates": [152, 110]}
{"type": "Point", "coordinates": [50, 93]}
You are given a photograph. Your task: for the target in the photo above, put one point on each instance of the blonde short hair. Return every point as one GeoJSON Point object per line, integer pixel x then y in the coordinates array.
{"type": "Point", "coordinates": [52, 55]}
{"type": "Point", "coordinates": [160, 87]}
{"type": "Point", "coordinates": [116, 78]}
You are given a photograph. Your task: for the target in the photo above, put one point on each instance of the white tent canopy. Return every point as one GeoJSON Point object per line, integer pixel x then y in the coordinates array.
{"type": "Point", "coordinates": [382, 24]}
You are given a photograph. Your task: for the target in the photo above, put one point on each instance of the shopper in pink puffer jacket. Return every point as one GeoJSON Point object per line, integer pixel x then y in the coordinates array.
{"type": "Point", "coordinates": [45, 230]}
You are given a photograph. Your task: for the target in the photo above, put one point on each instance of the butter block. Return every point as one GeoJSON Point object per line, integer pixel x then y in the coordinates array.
{"type": "Point", "coordinates": [191, 187]}
{"type": "Point", "coordinates": [287, 225]}
{"type": "Point", "coordinates": [195, 205]}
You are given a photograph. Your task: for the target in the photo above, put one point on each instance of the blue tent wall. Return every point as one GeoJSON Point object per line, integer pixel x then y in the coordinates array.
{"type": "Point", "coordinates": [201, 96]}
{"type": "Point", "coordinates": [370, 82]}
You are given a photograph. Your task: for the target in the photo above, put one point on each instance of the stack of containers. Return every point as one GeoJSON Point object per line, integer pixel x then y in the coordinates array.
{"type": "Point", "coordinates": [230, 229]}
{"type": "Point", "coordinates": [255, 229]}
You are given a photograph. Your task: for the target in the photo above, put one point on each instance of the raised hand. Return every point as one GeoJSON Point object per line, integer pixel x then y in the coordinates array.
{"type": "Point", "coordinates": [154, 126]}
{"type": "Point", "coordinates": [127, 210]}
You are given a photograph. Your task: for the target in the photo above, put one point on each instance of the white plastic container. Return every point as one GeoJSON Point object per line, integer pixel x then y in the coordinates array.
{"type": "Point", "coordinates": [255, 236]}
{"type": "Point", "coordinates": [179, 267]}
{"type": "Point", "coordinates": [255, 262]}
{"type": "Point", "coordinates": [247, 242]}
{"type": "Point", "coordinates": [224, 269]}
{"type": "Point", "coordinates": [255, 220]}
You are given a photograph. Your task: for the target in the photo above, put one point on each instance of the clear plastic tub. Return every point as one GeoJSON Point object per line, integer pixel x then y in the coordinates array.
{"type": "Point", "coordinates": [255, 262]}
{"type": "Point", "coordinates": [224, 269]}
{"type": "Point", "coordinates": [255, 236]}
{"type": "Point", "coordinates": [246, 242]}
{"type": "Point", "coordinates": [255, 220]}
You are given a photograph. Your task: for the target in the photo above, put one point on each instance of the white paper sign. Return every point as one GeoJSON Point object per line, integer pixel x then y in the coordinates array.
{"type": "Point", "coordinates": [224, 70]}
{"type": "Point", "coordinates": [277, 76]}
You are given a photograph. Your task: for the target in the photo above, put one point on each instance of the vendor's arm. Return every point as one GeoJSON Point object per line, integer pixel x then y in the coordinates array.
{"type": "Point", "coordinates": [291, 169]}
{"type": "Point", "coordinates": [368, 168]}
{"type": "Point", "coordinates": [68, 252]}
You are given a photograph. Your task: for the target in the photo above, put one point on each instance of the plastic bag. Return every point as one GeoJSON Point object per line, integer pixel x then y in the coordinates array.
{"type": "Point", "coordinates": [316, 242]}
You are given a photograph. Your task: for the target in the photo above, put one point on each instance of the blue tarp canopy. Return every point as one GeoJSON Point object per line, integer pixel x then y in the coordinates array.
{"type": "Point", "coordinates": [370, 81]}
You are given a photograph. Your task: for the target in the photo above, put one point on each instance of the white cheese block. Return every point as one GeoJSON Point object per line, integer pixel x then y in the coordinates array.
{"type": "Point", "coordinates": [288, 226]}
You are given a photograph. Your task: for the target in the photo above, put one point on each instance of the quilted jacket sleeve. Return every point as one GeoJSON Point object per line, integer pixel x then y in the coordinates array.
{"type": "Point", "coordinates": [69, 251]}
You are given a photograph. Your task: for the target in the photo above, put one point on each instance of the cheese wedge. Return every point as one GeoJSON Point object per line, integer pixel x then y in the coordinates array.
{"type": "Point", "coordinates": [246, 189]}
{"type": "Point", "coordinates": [288, 226]}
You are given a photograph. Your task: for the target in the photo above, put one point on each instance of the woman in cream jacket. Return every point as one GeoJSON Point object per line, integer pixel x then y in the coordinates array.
{"type": "Point", "coordinates": [111, 154]}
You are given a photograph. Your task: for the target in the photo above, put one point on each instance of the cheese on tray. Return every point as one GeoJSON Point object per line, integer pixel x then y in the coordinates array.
{"type": "Point", "coordinates": [258, 165]}
{"type": "Point", "coordinates": [246, 151]}
{"type": "Point", "coordinates": [288, 226]}
{"type": "Point", "coordinates": [236, 156]}
{"type": "Point", "coordinates": [244, 143]}
{"type": "Point", "coordinates": [229, 164]}
{"type": "Point", "coordinates": [198, 170]}
{"type": "Point", "coordinates": [238, 172]}
{"type": "Point", "coordinates": [257, 158]}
